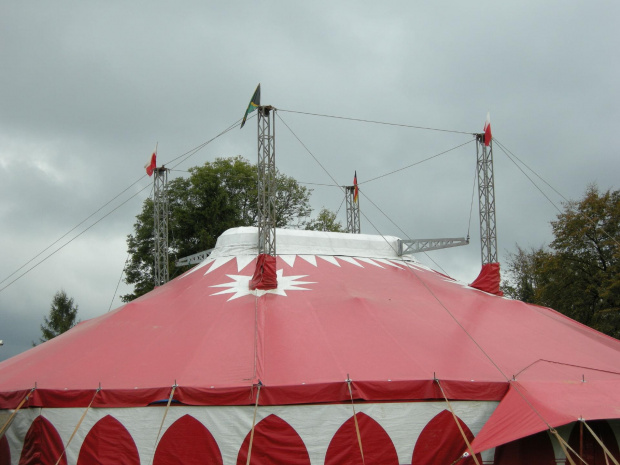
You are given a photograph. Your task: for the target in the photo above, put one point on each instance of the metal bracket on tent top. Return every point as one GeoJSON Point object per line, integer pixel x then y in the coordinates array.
{"type": "Point", "coordinates": [193, 259]}
{"type": "Point", "coordinates": [411, 246]}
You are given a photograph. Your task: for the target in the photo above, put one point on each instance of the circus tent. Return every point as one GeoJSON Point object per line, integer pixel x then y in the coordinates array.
{"type": "Point", "coordinates": [358, 356]}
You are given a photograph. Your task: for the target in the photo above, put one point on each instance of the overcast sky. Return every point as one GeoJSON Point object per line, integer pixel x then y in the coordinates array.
{"type": "Point", "coordinates": [88, 88]}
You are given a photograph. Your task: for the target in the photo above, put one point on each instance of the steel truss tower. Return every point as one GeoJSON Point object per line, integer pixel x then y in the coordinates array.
{"type": "Point", "coordinates": [160, 230]}
{"type": "Point", "coordinates": [486, 200]}
{"type": "Point", "coordinates": [353, 211]}
{"type": "Point", "coordinates": [266, 181]}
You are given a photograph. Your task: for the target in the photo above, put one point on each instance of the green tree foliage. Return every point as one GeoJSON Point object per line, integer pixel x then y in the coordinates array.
{"type": "Point", "coordinates": [62, 317]}
{"type": "Point", "coordinates": [215, 197]}
{"type": "Point", "coordinates": [579, 273]}
{"type": "Point", "coordinates": [325, 221]}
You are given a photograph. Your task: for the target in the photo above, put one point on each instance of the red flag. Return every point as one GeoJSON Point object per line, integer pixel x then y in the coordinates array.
{"type": "Point", "coordinates": [150, 166]}
{"type": "Point", "coordinates": [356, 190]}
{"type": "Point", "coordinates": [487, 130]}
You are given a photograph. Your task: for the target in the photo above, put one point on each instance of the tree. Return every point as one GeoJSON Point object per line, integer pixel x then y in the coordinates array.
{"type": "Point", "coordinates": [325, 221]}
{"type": "Point", "coordinates": [524, 269]}
{"type": "Point", "coordinates": [215, 197]}
{"type": "Point", "coordinates": [62, 317]}
{"type": "Point", "coordinates": [579, 273]}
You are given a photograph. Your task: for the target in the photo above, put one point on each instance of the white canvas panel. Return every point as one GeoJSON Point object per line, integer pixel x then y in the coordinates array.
{"type": "Point", "coordinates": [315, 424]}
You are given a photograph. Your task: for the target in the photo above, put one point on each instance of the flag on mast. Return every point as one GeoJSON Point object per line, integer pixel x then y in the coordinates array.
{"type": "Point", "coordinates": [355, 188]}
{"type": "Point", "coordinates": [151, 165]}
{"type": "Point", "coordinates": [487, 130]}
{"type": "Point", "coordinates": [253, 105]}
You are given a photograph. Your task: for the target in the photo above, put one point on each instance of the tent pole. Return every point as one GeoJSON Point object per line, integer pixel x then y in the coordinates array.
{"type": "Point", "coordinates": [357, 427]}
{"type": "Point", "coordinates": [5, 427]}
{"type": "Point", "coordinates": [600, 442]}
{"type": "Point", "coordinates": [253, 424]}
{"type": "Point", "coordinates": [581, 438]}
{"type": "Point", "coordinates": [458, 424]}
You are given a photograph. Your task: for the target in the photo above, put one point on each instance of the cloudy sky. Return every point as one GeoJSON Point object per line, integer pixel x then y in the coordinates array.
{"type": "Point", "coordinates": [87, 89]}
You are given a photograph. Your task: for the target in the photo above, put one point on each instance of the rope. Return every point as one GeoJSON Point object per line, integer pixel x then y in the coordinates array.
{"type": "Point", "coordinates": [415, 274]}
{"type": "Point", "coordinates": [119, 282]}
{"type": "Point", "coordinates": [592, 221]}
{"type": "Point", "coordinates": [564, 445]}
{"type": "Point", "coordinates": [416, 163]}
{"type": "Point", "coordinates": [471, 206]}
{"type": "Point", "coordinates": [343, 191]}
{"type": "Point", "coordinates": [193, 151]}
{"type": "Point", "coordinates": [311, 154]}
{"type": "Point", "coordinates": [71, 240]}
{"type": "Point", "coordinates": [253, 425]}
{"type": "Point", "coordinates": [458, 423]}
{"type": "Point", "coordinates": [357, 427]}
{"type": "Point", "coordinates": [78, 425]}
{"type": "Point", "coordinates": [6, 425]}
{"type": "Point", "coordinates": [398, 227]}
{"type": "Point", "coordinates": [505, 149]}
{"type": "Point", "coordinates": [75, 227]}
{"type": "Point", "coordinates": [607, 453]}
{"type": "Point", "coordinates": [187, 155]}
{"type": "Point", "coordinates": [174, 386]}
{"type": "Point", "coordinates": [375, 122]}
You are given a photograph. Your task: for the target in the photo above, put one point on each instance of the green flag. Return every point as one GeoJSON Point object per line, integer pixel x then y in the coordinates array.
{"type": "Point", "coordinates": [254, 104]}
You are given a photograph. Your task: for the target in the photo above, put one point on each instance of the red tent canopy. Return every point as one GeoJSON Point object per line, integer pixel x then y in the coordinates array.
{"type": "Point", "coordinates": [345, 306]}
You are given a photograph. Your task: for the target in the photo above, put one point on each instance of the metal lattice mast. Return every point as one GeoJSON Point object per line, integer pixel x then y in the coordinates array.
{"type": "Point", "coordinates": [160, 230]}
{"type": "Point", "coordinates": [266, 181]}
{"type": "Point", "coordinates": [353, 211]}
{"type": "Point", "coordinates": [486, 200]}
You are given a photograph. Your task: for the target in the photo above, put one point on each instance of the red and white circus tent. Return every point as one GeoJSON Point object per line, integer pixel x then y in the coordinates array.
{"type": "Point", "coordinates": [357, 351]}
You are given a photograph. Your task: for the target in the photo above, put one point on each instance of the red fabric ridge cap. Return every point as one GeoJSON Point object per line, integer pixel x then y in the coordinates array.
{"type": "Point", "coordinates": [265, 274]}
{"type": "Point", "coordinates": [488, 280]}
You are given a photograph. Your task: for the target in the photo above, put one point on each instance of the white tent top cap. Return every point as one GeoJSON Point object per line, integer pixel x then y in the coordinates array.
{"type": "Point", "coordinates": [244, 241]}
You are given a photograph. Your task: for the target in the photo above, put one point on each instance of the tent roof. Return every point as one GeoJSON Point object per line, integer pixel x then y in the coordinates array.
{"type": "Point", "coordinates": [346, 306]}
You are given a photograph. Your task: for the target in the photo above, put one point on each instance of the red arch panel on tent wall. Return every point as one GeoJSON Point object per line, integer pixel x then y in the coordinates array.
{"type": "Point", "coordinates": [441, 442]}
{"type": "Point", "coordinates": [275, 443]}
{"type": "Point", "coordinates": [533, 450]}
{"type": "Point", "coordinates": [187, 441]}
{"type": "Point", "coordinates": [377, 445]}
{"type": "Point", "coordinates": [108, 442]}
{"type": "Point", "coordinates": [592, 452]}
{"type": "Point", "coordinates": [42, 445]}
{"type": "Point", "coordinates": [5, 452]}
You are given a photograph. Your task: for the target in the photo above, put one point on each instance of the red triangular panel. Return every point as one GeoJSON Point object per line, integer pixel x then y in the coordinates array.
{"type": "Point", "coordinates": [42, 445]}
{"type": "Point", "coordinates": [377, 445]}
{"type": "Point", "coordinates": [275, 443]}
{"type": "Point", "coordinates": [108, 442]}
{"type": "Point", "coordinates": [189, 442]}
{"type": "Point", "coordinates": [441, 442]}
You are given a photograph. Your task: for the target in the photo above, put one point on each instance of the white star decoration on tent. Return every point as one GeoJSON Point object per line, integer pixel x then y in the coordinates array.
{"type": "Point", "coordinates": [240, 285]}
